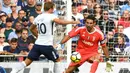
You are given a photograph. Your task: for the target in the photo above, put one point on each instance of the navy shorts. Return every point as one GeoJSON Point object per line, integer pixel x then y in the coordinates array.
{"type": "Point", "coordinates": [48, 51]}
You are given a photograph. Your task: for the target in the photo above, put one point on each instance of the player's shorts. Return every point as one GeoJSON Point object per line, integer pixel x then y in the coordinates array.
{"type": "Point", "coordinates": [48, 51]}
{"type": "Point", "coordinates": [84, 58]}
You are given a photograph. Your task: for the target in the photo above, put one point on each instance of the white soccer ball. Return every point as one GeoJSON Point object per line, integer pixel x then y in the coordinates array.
{"type": "Point", "coordinates": [75, 57]}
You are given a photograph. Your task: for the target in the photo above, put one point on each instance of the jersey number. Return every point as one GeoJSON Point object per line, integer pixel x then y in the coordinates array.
{"type": "Point", "coordinates": [40, 28]}
{"type": "Point", "coordinates": [43, 26]}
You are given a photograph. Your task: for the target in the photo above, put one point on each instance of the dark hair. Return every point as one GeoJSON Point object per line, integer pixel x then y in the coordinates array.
{"type": "Point", "coordinates": [95, 8]}
{"type": "Point", "coordinates": [14, 40]}
{"type": "Point", "coordinates": [20, 10]}
{"type": "Point", "coordinates": [9, 19]}
{"type": "Point", "coordinates": [48, 5]}
{"type": "Point", "coordinates": [24, 29]}
{"type": "Point", "coordinates": [92, 17]}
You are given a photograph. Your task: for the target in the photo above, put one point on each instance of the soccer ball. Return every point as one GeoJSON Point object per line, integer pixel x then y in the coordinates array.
{"type": "Point", "coordinates": [75, 57]}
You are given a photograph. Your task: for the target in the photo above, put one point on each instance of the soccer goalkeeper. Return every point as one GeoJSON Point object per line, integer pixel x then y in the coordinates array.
{"type": "Point", "coordinates": [89, 38]}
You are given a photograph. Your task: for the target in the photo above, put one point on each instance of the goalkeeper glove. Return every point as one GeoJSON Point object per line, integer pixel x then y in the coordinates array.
{"type": "Point", "coordinates": [109, 66]}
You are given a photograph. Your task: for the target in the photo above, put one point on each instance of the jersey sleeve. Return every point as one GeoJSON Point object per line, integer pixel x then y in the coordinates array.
{"type": "Point", "coordinates": [53, 17]}
{"type": "Point", "coordinates": [74, 32]}
{"type": "Point", "coordinates": [102, 40]}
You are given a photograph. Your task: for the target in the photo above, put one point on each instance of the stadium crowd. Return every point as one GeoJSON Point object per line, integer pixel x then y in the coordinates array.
{"type": "Point", "coordinates": [112, 18]}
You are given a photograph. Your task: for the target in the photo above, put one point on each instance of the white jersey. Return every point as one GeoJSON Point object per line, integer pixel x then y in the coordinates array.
{"type": "Point", "coordinates": [45, 27]}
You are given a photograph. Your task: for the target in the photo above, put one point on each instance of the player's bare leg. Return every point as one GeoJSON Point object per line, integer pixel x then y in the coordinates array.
{"type": "Point", "coordinates": [21, 65]}
{"type": "Point", "coordinates": [95, 61]}
{"type": "Point", "coordinates": [28, 61]}
{"type": "Point", "coordinates": [70, 69]}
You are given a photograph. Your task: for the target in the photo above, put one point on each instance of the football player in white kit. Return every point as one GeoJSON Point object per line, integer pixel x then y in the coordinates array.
{"type": "Point", "coordinates": [43, 29]}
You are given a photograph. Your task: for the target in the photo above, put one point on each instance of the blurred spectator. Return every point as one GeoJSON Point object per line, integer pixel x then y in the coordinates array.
{"type": "Point", "coordinates": [12, 48]}
{"type": "Point", "coordinates": [90, 5]}
{"type": "Point", "coordinates": [109, 40]}
{"type": "Point", "coordinates": [23, 41]}
{"type": "Point", "coordinates": [125, 19]}
{"type": "Point", "coordinates": [3, 17]}
{"type": "Point", "coordinates": [26, 24]}
{"type": "Point", "coordinates": [17, 32]}
{"type": "Point", "coordinates": [106, 25]}
{"type": "Point", "coordinates": [22, 3]}
{"type": "Point", "coordinates": [113, 10]}
{"type": "Point", "coordinates": [76, 14]}
{"type": "Point", "coordinates": [120, 30]}
{"type": "Point", "coordinates": [14, 13]}
{"type": "Point", "coordinates": [31, 19]}
{"type": "Point", "coordinates": [37, 11]}
{"type": "Point", "coordinates": [21, 14]}
{"type": "Point", "coordinates": [73, 46]}
{"type": "Point", "coordinates": [2, 41]}
{"type": "Point", "coordinates": [103, 3]}
{"type": "Point", "coordinates": [8, 28]}
{"type": "Point", "coordinates": [125, 7]}
{"type": "Point", "coordinates": [30, 46]}
{"type": "Point", "coordinates": [85, 13]}
{"type": "Point", "coordinates": [30, 7]}
{"type": "Point", "coordinates": [98, 13]}
{"type": "Point", "coordinates": [121, 44]}
{"type": "Point", "coordinates": [6, 6]}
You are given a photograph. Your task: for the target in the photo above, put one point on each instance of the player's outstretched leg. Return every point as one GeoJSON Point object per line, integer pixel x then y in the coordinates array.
{"type": "Point", "coordinates": [21, 65]}
{"type": "Point", "coordinates": [18, 67]}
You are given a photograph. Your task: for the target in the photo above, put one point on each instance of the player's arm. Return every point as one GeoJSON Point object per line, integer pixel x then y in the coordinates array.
{"type": "Point", "coordinates": [65, 39]}
{"type": "Point", "coordinates": [105, 50]}
{"type": "Point", "coordinates": [74, 32]}
{"type": "Point", "coordinates": [108, 63]}
{"type": "Point", "coordinates": [33, 29]}
{"type": "Point", "coordinates": [65, 22]}
{"type": "Point", "coordinates": [71, 34]}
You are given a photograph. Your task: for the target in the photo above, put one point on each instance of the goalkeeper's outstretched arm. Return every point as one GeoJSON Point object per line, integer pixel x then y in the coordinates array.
{"type": "Point", "coordinates": [65, 39]}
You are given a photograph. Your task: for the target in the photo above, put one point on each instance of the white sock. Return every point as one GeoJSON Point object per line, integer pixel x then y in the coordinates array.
{"type": "Point", "coordinates": [59, 67]}
{"type": "Point", "coordinates": [51, 66]}
{"type": "Point", "coordinates": [18, 67]}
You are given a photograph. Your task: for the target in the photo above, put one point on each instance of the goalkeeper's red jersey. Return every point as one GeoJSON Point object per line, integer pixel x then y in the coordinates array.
{"type": "Point", "coordinates": [88, 43]}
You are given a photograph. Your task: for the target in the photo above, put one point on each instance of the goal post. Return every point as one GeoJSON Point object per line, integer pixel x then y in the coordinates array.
{"type": "Point", "coordinates": [69, 27]}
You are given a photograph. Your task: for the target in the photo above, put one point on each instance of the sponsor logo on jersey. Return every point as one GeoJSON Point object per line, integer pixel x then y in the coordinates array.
{"type": "Point", "coordinates": [87, 43]}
